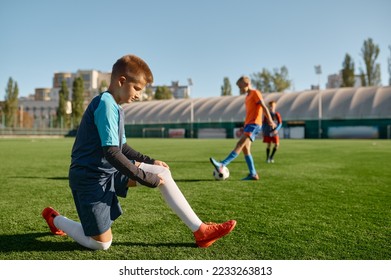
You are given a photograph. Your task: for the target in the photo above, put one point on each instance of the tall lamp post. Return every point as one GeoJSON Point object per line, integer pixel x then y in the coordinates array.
{"type": "Point", "coordinates": [190, 83]}
{"type": "Point", "coordinates": [318, 71]}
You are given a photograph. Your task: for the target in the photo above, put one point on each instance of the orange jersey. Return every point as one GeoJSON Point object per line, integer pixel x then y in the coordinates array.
{"type": "Point", "coordinates": [254, 109]}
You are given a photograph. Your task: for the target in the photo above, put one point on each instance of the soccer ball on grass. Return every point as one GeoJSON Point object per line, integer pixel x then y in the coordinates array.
{"type": "Point", "coordinates": [221, 176]}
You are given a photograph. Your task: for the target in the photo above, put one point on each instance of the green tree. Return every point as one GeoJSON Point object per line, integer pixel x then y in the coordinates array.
{"type": "Point", "coordinates": [11, 103]}
{"type": "Point", "coordinates": [389, 67]}
{"type": "Point", "coordinates": [77, 101]}
{"type": "Point", "coordinates": [265, 81]}
{"type": "Point", "coordinates": [15, 96]}
{"type": "Point", "coordinates": [148, 94]}
{"type": "Point", "coordinates": [370, 53]}
{"type": "Point", "coordinates": [163, 92]}
{"type": "Point", "coordinates": [62, 117]}
{"type": "Point", "coordinates": [363, 79]}
{"type": "Point", "coordinates": [280, 79]}
{"type": "Point", "coordinates": [226, 89]}
{"type": "Point", "coordinates": [348, 72]}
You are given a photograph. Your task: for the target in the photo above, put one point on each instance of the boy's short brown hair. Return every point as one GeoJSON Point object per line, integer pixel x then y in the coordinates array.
{"type": "Point", "coordinates": [244, 79]}
{"type": "Point", "coordinates": [132, 67]}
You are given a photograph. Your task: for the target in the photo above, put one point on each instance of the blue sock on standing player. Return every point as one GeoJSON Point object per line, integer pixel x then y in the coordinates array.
{"type": "Point", "coordinates": [250, 164]}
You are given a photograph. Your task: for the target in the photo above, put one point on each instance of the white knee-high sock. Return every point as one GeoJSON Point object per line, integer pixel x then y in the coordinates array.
{"type": "Point", "coordinates": [75, 231]}
{"type": "Point", "coordinates": [174, 197]}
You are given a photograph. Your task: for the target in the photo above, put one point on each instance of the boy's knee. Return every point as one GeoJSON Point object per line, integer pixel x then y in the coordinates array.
{"type": "Point", "coordinates": [97, 245]}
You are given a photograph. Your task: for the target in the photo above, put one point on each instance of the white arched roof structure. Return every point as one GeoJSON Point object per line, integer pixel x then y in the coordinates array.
{"type": "Point", "coordinates": [340, 103]}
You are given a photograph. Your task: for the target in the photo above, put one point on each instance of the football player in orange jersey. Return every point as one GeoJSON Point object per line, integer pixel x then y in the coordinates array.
{"type": "Point", "coordinates": [255, 109]}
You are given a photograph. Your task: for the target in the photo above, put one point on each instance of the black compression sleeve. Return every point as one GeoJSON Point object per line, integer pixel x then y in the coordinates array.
{"type": "Point", "coordinates": [132, 154]}
{"type": "Point", "coordinates": [115, 157]}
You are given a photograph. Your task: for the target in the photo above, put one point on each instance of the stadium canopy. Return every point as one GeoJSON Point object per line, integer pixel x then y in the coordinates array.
{"type": "Point", "coordinates": [336, 104]}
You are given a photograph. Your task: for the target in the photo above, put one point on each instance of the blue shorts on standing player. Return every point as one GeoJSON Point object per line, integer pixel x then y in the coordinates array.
{"type": "Point", "coordinates": [252, 130]}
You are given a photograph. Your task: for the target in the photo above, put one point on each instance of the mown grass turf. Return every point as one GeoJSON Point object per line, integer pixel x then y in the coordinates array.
{"type": "Point", "coordinates": [321, 199]}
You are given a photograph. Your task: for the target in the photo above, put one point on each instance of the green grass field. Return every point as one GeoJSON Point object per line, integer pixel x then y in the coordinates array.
{"type": "Point", "coordinates": [322, 199]}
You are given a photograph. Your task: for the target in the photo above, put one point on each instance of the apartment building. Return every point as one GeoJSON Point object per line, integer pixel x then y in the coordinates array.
{"type": "Point", "coordinates": [94, 81]}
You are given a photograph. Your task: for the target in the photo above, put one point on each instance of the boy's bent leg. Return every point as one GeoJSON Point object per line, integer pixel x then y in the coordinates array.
{"type": "Point", "coordinates": [76, 232]}
{"type": "Point", "coordinates": [104, 237]}
{"type": "Point", "coordinates": [174, 197]}
{"type": "Point", "coordinates": [205, 234]}
{"type": "Point", "coordinates": [61, 225]}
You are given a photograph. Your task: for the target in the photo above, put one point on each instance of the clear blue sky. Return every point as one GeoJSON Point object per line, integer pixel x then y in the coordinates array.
{"type": "Point", "coordinates": [205, 40]}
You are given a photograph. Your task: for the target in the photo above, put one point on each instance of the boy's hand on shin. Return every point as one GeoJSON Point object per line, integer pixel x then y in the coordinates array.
{"type": "Point", "coordinates": [161, 163]}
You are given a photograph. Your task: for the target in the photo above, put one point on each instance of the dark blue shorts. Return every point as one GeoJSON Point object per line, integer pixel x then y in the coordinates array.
{"type": "Point", "coordinates": [96, 200]}
{"type": "Point", "coordinates": [252, 130]}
